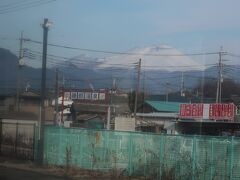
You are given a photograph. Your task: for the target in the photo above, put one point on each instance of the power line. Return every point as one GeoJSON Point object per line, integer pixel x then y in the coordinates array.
{"type": "Point", "coordinates": [17, 4]}
{"type": "Point", "coordinates": [63, 65]}
{"type": "Point", "coordinates": [25, 6]}
{"type": "Point", "coordinates": [58, 62]}
{"type": "Point", "coordinates": [53, 57]}
{"type": "Point", "coordinates": [123, 53]}
{"type": "Point", "coordinates": [92, 79]}
{"type": "Point", "coordinates": [32, 53]}
{"type": "Point", "coordinates": [126, 53]}
{"type": "Point", "coordinates": [184, 65]}
{"type": "Point", "coordinates": [13, 3]}
{"type": "Point", "coordinates": [233, 55]}
{"type": "Point", "coordinates": [162, 84]}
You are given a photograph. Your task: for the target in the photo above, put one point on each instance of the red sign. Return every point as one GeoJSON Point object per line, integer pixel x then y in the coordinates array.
{"type": "Point", "coordinates": [222, 111]}
{"type": "Point", "coordinates": [217, 111]}
{"type": "Point", "coordinates": [191, 111]}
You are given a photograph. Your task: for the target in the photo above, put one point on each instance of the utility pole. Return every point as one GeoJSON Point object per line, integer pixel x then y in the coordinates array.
{"type": "Point", "coordinates": [114, 84]}
{"type": "Point", "coordinates": [202, 86]}
{"type": "Point", "coordinates": [56, 98]}
{"type": "Point", "coordinates": [62, 105]}
{"type": "Point", "coordinates": [45, 27]}
{"type": "Point", "coordinates": [220, 78]}
{"type": "Point", "coordinates": [137, 87]}
{"type": "Point", "coordinates": [62, 102]}
{"type": "Point", "coordinates": [108, 117]}
{"type": "Point", "coordinates": [111, 108]}
{"type": "Point", "coordinates": [182, 87]}
{"type": "Point", "coordinates": [167, 91]}
{"type": "Point", "coordinates": [20, 64]}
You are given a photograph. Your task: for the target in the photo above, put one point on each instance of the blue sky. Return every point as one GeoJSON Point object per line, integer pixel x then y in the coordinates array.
{"type": "Point", "coordinates": [191, 26]}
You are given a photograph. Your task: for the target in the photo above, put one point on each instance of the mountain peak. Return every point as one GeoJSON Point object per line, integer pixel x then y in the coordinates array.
{"type": "Point", "coordinates": [160, 57]}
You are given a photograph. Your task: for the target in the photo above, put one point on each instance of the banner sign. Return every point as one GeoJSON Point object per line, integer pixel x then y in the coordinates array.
{"type": "Point", "coordinates": [86, 95]}
{"type": "Point", "coordinates": [191, 110]}
{"type": "Point", "coordinates": [222, 111]}
{"type": "Point", "coordinates": [216, 111]}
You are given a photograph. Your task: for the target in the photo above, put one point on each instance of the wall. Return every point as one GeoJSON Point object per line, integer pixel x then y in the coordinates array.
{"type": "Point", "coordinates": [35, 109]}
{"type": "Point", "coordinates": [7, 103]}
{"type": "Point", "coordinates": [151, 155]}
{"type": "Point", "coordinates": [124, 124]}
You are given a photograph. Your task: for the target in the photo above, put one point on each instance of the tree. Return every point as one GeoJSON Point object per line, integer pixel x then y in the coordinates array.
{"type": "Point", "coordinates": [131, 99]}
{"type": "Point", "coordinates": [229, 88]}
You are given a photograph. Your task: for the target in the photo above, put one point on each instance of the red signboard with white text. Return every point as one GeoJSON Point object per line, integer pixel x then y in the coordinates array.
{"type": "Point", "coordinates": [222, 111]}
{"type": "Point", "coordinates": [191, 111]}
{"type": "Point", "coordinates": [216, 111]}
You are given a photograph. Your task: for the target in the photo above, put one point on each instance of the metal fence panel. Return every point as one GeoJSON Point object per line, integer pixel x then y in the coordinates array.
{"type": "Point", "coordinates": [154, 156]}
{"type": "Point", "coordinates": [17, 140]}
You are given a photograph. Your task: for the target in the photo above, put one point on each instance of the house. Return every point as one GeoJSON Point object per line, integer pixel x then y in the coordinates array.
{"type": "Point", "coordinates": [88, 102]}
{"type": "Point", "coordinates": [7, 103]}
{"type": "Point", "coordinates": [18, 117]}
{"type": "Point", "coordinates": [29, 102]}
{"type": "Point", "coordinates": [28, 106]}
{"type": "Point", "coordinates": [208, 119]}
{"type": "Point", "coordinates": [157, 116]}
{"type": "Point", "coordinates": [64, 113]}
{"type": "Point", "coordinates": [208, 128]}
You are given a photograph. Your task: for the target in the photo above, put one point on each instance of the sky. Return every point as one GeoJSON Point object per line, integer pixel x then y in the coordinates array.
{"type": "Point", "coordinates": [187, 25]}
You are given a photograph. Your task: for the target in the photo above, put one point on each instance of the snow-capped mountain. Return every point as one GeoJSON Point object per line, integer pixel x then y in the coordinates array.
{"type": "Point", "coordinates": [160, 57]}
{"type": "Point", "coordinates": [81, 72]}
{"type": "Point", "coordinates": [81, 61]}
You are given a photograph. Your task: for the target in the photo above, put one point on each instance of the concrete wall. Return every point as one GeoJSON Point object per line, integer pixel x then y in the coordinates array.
{"type": "Point", "coordinates": [124, 124]}
{"type": "Point", "coordinates": [7, 104]}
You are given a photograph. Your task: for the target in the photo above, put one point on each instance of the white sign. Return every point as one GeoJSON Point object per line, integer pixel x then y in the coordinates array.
{"type": "Point", "coordinates": [101, 96]}
{"type": "Point", "coordinates": [88, 96]}
{"type": "Point", "coordinates": [96, 96]}
{"type": "Point", "coordinates": [80, 95]}
{"type": "Point", "coordinates": [206, 111]}
{"type": "Point", "coordinates": [74, 95]}
{"type": "Point", "coordinates": [67, 95]}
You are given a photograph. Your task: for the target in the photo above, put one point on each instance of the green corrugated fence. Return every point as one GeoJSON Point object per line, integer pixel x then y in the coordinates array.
{"type": "Point", "coordinates": [155, 156]}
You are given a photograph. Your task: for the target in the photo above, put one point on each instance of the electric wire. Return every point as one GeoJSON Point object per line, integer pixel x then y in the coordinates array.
{"type": "Point", "coordinates": [18, 4]}
{"type": "Point", "coordinates": [123, 53]}
{"type": "Point", "coordinates": [26, 6]}
{"type": "Point", "coordinates": [30, 54]}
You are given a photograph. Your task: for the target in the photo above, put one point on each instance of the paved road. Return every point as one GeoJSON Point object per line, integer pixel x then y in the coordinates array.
{"type": "Point", "coordinates": [7, 173]}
